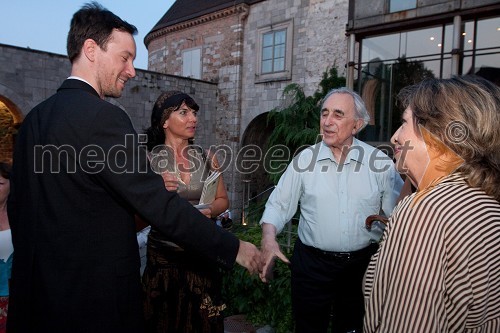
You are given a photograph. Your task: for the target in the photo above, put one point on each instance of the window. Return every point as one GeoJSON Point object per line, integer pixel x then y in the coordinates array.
{"type": "Point", "coordinates": [273, 51]}
{"type": "Point", "coordinates": [274, 56]}
{"type": "Point", "coordinates": [392, 61]}
{"type": "Point", "coordinates": [191, 63]}
{"type": "Point", "coordinates": [399, 5]}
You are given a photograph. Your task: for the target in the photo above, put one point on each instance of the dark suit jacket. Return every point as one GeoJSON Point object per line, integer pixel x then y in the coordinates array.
{"type": "Point", "coordinates": [79, 175]}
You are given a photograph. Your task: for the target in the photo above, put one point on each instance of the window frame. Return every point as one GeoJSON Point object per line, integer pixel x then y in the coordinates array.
{"type": "Point", "coordinates": [471, 57]}
{"type": "Point", "coordinates": [285, 74]}
{"type": "Point", "coordinates": [184, 53]}
{"type": "Point", "coordinates": [391, 4]}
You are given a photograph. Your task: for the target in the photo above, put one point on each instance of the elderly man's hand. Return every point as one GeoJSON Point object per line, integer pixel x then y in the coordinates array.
{"type": "Point", "coordinates": [270, 251]}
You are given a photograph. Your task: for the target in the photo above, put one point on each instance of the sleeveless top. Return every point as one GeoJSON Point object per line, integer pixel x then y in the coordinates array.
{"type": "Point", "coordinates": [162, 159]}
{"type": "Point", "coordinates": [6, 251]}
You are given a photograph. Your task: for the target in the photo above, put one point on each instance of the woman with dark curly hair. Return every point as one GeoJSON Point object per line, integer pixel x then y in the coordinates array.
{"type": "Point", "coordinates": [437, 268]}
{"type": "Point", "coordinates": [183, 291]}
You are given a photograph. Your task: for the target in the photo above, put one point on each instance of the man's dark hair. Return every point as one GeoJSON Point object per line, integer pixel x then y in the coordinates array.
{"type": "Point", "coordinates": [95, 22]}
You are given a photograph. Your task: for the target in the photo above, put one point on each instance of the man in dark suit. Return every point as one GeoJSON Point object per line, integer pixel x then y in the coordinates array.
{"type": "Point", "coordinates": [79, 176]}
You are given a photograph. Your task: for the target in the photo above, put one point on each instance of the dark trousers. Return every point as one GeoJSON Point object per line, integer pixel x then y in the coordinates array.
{"type": "Point", "coordinates": [328, 287]}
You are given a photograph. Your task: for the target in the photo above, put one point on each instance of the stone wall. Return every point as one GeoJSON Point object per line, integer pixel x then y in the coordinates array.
{"type": "Point", "coordinates": [218, 39]}
{"type": "Point", "coordinates": [319, 43]}
{"type": "Point", "coordinates": [27, 77]}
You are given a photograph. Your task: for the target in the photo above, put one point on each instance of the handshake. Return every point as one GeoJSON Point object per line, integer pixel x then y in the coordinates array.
{"type": "Point", "coordinates": [261, 261]}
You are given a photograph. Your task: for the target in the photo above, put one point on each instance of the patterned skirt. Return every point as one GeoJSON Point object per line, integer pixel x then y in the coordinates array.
{"type": "Point", "coordinates": [182, 293]}
{"type": "Point", "coordinates": [4, 306]}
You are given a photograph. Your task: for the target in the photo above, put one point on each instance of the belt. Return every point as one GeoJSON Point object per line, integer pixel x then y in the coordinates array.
{"type": "Point", "coordinates": [367, 251]}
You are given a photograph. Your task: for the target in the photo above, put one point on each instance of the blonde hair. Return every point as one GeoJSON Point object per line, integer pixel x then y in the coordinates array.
{"type": "Point", "coordinates": [464, 113]}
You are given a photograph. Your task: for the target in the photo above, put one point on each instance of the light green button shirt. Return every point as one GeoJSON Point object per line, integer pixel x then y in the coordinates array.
{"type": "Point", "coordinates": [335, 199]}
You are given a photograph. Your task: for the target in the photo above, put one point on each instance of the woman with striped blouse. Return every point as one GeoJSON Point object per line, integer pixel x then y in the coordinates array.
{"type": "Point", "coordinates": [438, 265]}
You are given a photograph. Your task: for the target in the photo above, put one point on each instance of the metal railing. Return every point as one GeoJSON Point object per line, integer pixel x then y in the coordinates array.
{"type": "Point", "coordinates": [248, 214]}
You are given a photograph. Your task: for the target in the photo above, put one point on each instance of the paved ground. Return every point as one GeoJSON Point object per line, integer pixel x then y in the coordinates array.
{"type": "Point", "coordinates": [238, 324]}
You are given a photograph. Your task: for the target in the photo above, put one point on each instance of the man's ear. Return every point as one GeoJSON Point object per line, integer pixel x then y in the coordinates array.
{"type": "Point", "coordinates": [358, 124]}
{"type": "Point", "coordinates": [89, 49]}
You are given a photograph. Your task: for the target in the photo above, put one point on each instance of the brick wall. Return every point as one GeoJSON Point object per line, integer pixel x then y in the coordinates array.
{"type": "Point", "coordinates": [27, 77]}
{"type": "Point", "coordinates": [319, 42]}
{"type": "Point", "coordinates": [217, 38]}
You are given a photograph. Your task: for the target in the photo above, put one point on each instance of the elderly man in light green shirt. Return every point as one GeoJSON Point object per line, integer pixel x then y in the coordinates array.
{"type": "Point", "coordinates": [338, 183]}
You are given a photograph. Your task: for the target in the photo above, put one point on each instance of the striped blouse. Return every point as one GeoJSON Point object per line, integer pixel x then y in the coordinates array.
{"type": "Point", "coordinates": [438, 267]}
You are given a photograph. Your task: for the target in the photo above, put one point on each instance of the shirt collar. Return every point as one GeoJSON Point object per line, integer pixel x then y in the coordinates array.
{"type": "Point", "coordinates": [73, 77]}
{"type": "Point", "coordinates": [355, 152]}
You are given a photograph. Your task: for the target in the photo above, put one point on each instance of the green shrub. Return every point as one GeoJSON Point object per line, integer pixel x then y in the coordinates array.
{"type": "Point", "coordinates": [262, 303]}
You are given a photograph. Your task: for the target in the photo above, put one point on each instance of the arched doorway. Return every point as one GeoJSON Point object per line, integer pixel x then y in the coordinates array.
{"type": "Point", "coordinates": [257, 183]}
{"type": "Point", "coordinates": [10, 120]}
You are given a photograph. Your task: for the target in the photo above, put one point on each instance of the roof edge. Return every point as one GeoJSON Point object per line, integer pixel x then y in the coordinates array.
{"type": "Point", "coordinates": [224, 11]}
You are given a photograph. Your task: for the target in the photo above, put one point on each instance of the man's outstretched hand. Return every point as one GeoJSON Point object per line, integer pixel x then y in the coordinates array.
{"type": "Point", "coordinates": [270, 250]}
{"type": "Point", "coordinates": [249, 257]}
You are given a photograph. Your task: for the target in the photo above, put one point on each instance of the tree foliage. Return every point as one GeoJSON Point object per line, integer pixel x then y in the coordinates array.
{"type": "Point", "coordinates": [262, 303]}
